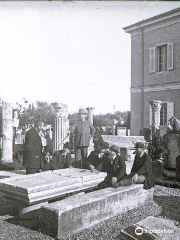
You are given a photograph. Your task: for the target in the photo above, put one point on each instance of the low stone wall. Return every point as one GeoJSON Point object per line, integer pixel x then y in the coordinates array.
{"type": "Point", "coordinates": [123, 141]}
{"type": "Point", "coordinates": [72, 215]}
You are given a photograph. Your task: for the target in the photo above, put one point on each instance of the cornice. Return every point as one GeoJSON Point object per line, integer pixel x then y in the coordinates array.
{"type": "Point", "coordinates": [156, 88]}
{"type": "Point", "coordinates": [151, 21]}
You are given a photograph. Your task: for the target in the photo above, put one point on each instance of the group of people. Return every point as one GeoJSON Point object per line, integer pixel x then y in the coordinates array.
{"type": "Point", "coordinates": [104, 158]}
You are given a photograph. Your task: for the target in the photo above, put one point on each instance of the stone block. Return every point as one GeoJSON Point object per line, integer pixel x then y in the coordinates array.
{"type": "Point", "coordinates": [72, 215]}
{"type": "Point", "coordinates": [51, 184]}
{"type": "Point", "coordinates": [178, 168]}
{"type": "Point", "coordinates": [172, 145]}
{"type": "Point", "coordinates": [158, 168]}
{"type": "Point", "coordinates": [151, 228]}
{"type": "Point", "coordinates": [123, 141]}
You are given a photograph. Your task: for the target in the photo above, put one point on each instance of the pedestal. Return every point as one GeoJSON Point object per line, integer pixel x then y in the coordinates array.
{"type": "Point", "coordinates": [156, 107]}
{"type": "Point", "coordinates": [7, 132]}
{"type": "Point", "coordinates": [172, 145]}
{"type": "Point", "coordinates": [158, 168]}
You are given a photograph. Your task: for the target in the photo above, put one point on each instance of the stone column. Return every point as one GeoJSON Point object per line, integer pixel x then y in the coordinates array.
{"type": "Point", "coordinates": [90, 118]}
{"type": "Point", "coordinates": [156, 107]}
{"type": "Point", "coordinates": [7, 133]}
{"type": "Point", "coordinates": [60, 127]}
{"type": "Point", "coordinates": [90, 114]}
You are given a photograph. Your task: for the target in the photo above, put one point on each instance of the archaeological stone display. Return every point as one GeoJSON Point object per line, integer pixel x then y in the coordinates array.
{"type": "Point", "coordinates": [60, 127]}
{"type": "Point", "coordinates": [72, 215]}
{"type": "Point", "coordinates": [172, 141]}
{"type": "Point", "coordinates": [156, 107]}
{"type": "Point", "coordinates": [123, 141]}
{"type": "Point", "coordinates": [7, 132]}
{"type": "Point", "coordinates": [158, 168]}
{"type": "Point", "coordinates": [30, 190]}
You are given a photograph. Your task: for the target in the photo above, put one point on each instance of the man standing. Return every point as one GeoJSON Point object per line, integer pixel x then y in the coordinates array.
{"type": "Point", "coordinates": [83, 131]}
{"type": "Point", "coordinates": [141, 171]}
{"type": "Point", "coordinates": [33, 149]}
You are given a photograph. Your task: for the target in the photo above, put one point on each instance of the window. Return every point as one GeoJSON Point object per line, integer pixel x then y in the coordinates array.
{"type": "Point", "coordinates": [163, 114]}
{"type": "Point", "coordinates": [166, 112]}
{"type": "Point", "coordinates": [162, 58]}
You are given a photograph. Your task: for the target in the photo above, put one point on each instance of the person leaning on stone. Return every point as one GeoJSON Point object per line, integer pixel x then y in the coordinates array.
{"type": "Point", "coordinates": [114, 166]}
{"type": "Point", "coordinates": [33, 148]}
{"type": "Point", "coordinates": [141, 171]}
{"type": "Point", "coordinates": [83, 131]}
{"type": "Point", "coordinates": [94, 160]}
{"type": "Point", "coordinates": [60, 159]}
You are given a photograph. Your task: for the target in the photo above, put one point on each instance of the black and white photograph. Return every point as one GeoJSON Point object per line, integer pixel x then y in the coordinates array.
{"type": "Point", "coordinates": [89, 120]}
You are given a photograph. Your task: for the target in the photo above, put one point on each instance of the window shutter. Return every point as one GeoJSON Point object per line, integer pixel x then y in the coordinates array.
{"type": "Point", "coordinates": [152, 60]}
{"type": "Point", "coordinates": [150, 116]}
{"type": "Point", "coordinates": [170, 110]}
{"type": "Point", "coordinates": [170, 51]}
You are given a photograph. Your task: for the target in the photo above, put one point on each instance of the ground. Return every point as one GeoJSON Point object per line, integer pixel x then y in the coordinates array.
{"type": "Point", "coordinates": [166, 202]}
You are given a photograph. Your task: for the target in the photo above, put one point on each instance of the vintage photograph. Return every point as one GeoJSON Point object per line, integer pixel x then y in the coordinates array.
{"type": "Point", "coordinates": [90, 120]}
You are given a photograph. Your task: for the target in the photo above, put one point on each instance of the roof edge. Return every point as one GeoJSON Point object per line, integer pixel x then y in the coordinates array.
{"type": "Point", "coordinates": [155, 19]}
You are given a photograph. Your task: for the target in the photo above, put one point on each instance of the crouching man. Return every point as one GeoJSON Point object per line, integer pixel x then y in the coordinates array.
{"type": "Point", "coordinates": [60, 159]}
{"type": "Point", "coordinates": [114, 166]}
{"type": "Point", "coordinates": [141, 171]}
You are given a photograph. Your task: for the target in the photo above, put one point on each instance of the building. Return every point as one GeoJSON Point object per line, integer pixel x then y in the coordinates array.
{"type": "Point", "coordinates": [155, 69]}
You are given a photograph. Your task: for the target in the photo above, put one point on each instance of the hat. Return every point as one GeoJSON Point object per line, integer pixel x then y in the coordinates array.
{"type": "Point", "coordinates": [68, 145]}
{"type": "Point", "coordinates": [82, 111]}
{"type": "Point", "coordinates": [140, 145]}
{"type": "Point", "coordinates": [115, 148]}
{"type": "Point", "coordinates": [105, 145]}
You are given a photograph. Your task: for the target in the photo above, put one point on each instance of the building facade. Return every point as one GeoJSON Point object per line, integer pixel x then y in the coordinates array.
{"type": "Point", "coordinates": [155, 69]}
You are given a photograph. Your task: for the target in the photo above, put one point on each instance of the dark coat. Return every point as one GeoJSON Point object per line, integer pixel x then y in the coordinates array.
{"type": "Point", "coordinates": [93, 159]}
{"type": "Point", "coordinates": [58, 161]}
{"type": "Point", "coordinates": [143, 166]}
{"type": "Point", "coordinates": [83, 132]}
{"type": "Point", "coordinates": [115, 169]}
{"type": "Point", "coordinates": [32, 149]}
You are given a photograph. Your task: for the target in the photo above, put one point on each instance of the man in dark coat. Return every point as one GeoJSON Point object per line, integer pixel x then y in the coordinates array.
{"type": "Point", "coordinates": [141, 171]}
{"type": "Point", "coordinates": [114, 165]}
{"type": "Point", "coordinates": [83, 131]}
{"type": "Point", "coordinates": [33, 149]}
{"type": "Point", "coordinates": [94, 160]}
{"type": "Point", "coordinates": [60, 159]}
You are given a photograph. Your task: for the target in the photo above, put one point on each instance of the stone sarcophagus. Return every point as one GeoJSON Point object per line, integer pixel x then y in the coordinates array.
{"type": "Point", "coordinates": [40, 187]}
{"type": "Point", "coordinates": [36, 190]}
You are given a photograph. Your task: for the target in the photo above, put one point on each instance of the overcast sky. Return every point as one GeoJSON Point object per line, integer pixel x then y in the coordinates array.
{"type": "Point", "coordinates": [71, 52]}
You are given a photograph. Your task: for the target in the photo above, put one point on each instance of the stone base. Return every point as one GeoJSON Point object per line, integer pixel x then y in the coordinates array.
{"type": "Point", "coordinates": [29, 212]}
{"type": "Point", "coordinates": [6, 166]}
{"type": "Point", "coordinates": [158, 168]}
{"type": "Point", "coordinates": [70, 216]}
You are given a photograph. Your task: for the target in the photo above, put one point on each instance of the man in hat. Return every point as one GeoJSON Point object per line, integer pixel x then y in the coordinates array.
{"type": "Point", "coordinates": [94, 160]}
{"type": "Point", "coordinates": [60, 159]}
{"type": "Point", "coordinates": [141, 171]}
{"type": "Point", "coordinates": [33, 148]}
{"type": "Point", "coordinates": [83, 131]}
{"type": "Point", "coordinates": [114, 165]}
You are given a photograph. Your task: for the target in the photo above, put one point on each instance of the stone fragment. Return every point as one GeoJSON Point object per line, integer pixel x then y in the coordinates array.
{"type": "Point", "coordinates": [70, 216]}
{"type": "Point", "coordinates": [158, 168]}
{"type": "Point", "coordinates": [44, 186]}
{"type": "Point", "coordinates": [172, 145]}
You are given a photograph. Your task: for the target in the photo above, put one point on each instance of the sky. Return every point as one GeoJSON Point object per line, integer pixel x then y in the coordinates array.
{"type": "Point", "coordinates": [71, 52]}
